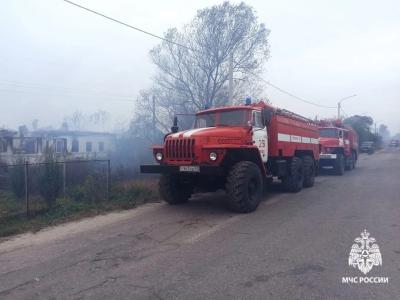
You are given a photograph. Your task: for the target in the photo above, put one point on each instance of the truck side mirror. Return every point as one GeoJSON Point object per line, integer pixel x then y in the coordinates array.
{"type": "Point", "coordinates": [267, 116]}
{"type": "Point", "coordinates": [175, 128]}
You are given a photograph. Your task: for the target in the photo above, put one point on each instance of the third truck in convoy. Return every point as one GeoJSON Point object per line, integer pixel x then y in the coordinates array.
{"type": "Point", "coordinates": [339, 146]}
{"type": "Point", "coordinates": [237, 148]}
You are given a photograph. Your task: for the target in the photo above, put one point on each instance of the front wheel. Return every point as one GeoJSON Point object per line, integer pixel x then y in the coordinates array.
{"type": "Point", "coordinates": [174, 190]}
{"type": "Point", "coordinates": [349, 163]}
{"type": "Point", "coordinates": [244, 186]}
{"type": "Point", "coordinates": [339, 165]}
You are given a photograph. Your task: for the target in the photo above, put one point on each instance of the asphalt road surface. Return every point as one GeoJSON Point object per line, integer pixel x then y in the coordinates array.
{"type": "Point", "coordinates": [295, 246]}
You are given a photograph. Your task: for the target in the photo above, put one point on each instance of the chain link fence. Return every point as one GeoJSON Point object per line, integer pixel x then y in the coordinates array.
{"type": "Point", "coordinates": [32, 188]}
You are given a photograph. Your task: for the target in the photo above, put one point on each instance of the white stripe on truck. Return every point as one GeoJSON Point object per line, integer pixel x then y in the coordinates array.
{"type": "Point", "coordinates": [193, 131]}
{"type": "Point", "coordinates": [283, 137]}
{"type": "Point", "coordinates": [295, 139]}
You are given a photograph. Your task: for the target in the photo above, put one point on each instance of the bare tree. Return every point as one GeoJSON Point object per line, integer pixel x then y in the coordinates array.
{"type": "Point", "coordinates": [384, 133]}
{"type": "Point", "coordinates": [76, 121]}
{"type": "Point", "coordinates": [81, 121]}
{"type": "Point", "coordinates": [196, 74]}
{"type": "Point", "coordinates": [99, 117]}
{"type": "Point", "coordinates": [35, 124]}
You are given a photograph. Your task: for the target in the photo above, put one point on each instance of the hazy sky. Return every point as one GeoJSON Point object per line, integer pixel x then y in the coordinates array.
{"type": "Point", "coordinates": [56, 58]}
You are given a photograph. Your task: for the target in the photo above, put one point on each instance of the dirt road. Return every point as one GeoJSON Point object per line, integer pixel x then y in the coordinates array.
{"type": "Point", "coordinates": [295, 246]}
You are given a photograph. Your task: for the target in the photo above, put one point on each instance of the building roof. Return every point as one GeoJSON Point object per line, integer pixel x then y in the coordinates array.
{"type": "Point", "coordinates": [62, 132]}
{"type": "Point", "coordinates": [7, 133]}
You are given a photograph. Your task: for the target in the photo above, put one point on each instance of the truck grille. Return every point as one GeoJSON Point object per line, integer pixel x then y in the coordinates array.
{"type": "Point", "coordinates": [179, 149]}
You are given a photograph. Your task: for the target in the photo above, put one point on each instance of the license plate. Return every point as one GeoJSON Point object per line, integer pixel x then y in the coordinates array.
{"type": "Point", "coordinates": [189, 168]}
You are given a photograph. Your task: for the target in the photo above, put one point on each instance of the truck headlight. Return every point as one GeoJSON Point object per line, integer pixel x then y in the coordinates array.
{"type": "Point", "coordinates": [213, 156]}
{"type": "Point", "coordinates": [159, 156]}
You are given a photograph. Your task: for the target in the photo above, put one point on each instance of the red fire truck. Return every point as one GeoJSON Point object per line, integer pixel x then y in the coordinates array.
{"type": "Point", "coordinates": [236, 148]}
{"type": "Point", "coordinates": [339, 146]}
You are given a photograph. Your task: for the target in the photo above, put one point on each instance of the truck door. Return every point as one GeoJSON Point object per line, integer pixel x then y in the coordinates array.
{"type": "Point", "coordinates": [340, 135]}
{"type": "Point", "coordinates": [260, 135]}
{"type": "Point", "coordinates": [346, 140]}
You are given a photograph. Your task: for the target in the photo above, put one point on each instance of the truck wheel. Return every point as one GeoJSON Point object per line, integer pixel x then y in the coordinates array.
{"type": "Point", "coordinates": [244, 186]}
{"type": "Point", "coordinates": [268, 182]}
{"type": "Point", "coordinates": [294, 181]}
{"type": "Point", "coordinates": [172, 190]}
{"type": "Point", "coordinates": [349, 163]}
{"type": "Point", "coordinates": [309, 171]}
{"type": "Point", "coordinates": [339, 165]}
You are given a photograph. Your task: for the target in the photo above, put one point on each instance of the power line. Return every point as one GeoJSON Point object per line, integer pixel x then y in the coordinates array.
{"type": "Point", "coordinates": [296, 97]}
{"type": "Point", "coordinates": [290, 94]}
{"type": "Point", "coordinates": [130, 26]}
{"type": "Point", "coordinates": [186, 47]}
{"type": "Point", "coordinates": [50, 93]}
{"type": "Point", "coordinates": [58, 89]}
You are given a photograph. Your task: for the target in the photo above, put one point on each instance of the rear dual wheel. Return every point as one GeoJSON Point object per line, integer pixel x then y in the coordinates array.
{"type": "Point", "coordinates": [301, 174]}
{"type": "Point", "coordinates": [348, 163]}
{"type": "Point", "coordinates": [309, 171]}
{"type": "Point", "coordinates": [354, 156]}
{"type": "Point", "coordinates": [294, 181]}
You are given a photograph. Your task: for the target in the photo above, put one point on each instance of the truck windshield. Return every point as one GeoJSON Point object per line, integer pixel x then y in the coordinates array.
{"type": "Point", "coordinates": [237, 117]}
{"type": "Point", "coordinates": [328, 132]}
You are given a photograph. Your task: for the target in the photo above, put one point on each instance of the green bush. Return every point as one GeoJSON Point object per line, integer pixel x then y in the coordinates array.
{"type": "Point", "coordinates": [17, 178]}
{"type": "Point", "coordinates": [90, 191]}
{"type": "Point", "coordinates": [77, 193]}
{"type": "Point", "coordinates": [50, 181]}
{"type": "Point", "coordinates": [65, 208]}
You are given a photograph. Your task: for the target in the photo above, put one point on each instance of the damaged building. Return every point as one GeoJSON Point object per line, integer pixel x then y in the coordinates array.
{"type": "Point", "coordinates": [63, 144]}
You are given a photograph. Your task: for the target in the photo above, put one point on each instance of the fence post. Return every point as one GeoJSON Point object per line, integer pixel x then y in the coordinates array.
{"type": "Point", "coordinates": [108, 179]}
{"type": "Point", "coordinates": [26, 188]}
{"type": "Point", "coordinates": [65, 178]}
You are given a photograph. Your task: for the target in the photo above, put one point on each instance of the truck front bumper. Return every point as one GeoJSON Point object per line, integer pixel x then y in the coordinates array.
{"type": "Point", "coordinates": [169, 169]}
{"type": "Point", "coordinates": [327, 156]}
{"type": "Point", "coordinates": [327, 160]}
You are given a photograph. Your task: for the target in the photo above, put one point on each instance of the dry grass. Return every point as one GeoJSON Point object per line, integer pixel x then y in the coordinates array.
{"type": "Point", "coordinates": [149, 183]}
{"type": "Point", "coordinates": [123, 195]}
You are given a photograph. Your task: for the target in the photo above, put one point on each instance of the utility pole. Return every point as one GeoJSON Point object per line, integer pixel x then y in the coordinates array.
{"type": "Point", "coordinates": [26, 177]}
{"type": "Point", "coordinates": [65, 178]}
{"type": "Point", "coordinates": [231, 78]}
{"type": "Point", "coordinates": [108, 179]}
{"type": "Point", "coordinates": [339, 104]}
{"type": "Point", "coordinates": [154, 118]}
